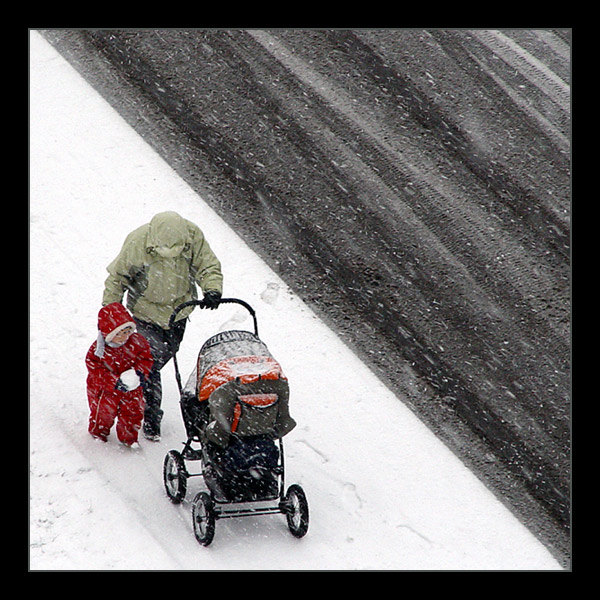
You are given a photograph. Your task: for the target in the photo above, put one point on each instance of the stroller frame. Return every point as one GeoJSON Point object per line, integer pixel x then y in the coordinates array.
{"type": "Point", "coordinates": [206, 508]}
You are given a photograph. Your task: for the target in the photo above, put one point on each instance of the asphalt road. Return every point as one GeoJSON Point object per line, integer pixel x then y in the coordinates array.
{"type": "Point", "coordinates": [413, 187]}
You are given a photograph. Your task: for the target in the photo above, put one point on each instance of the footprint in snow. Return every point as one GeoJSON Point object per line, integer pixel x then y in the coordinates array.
{"type": "Point", "coordinates": [270, 293]}
{"type": "Point", "coordinates": [350, 497]}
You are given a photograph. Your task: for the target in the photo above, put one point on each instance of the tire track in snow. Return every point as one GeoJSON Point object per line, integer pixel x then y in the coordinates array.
{"type": "Point", "coordinates": [533, 69]}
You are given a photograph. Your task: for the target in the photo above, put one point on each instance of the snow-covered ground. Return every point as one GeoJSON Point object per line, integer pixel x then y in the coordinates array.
{"type": "Point", "coordinates": [384, 492]}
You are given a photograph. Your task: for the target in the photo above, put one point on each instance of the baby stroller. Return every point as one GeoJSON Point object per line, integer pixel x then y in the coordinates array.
{"type": "Point", "coordinates": [235, 410]}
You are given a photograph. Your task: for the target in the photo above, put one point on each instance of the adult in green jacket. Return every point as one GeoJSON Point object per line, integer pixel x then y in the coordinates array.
{"type": "Point", "coordinates": [160, 266]}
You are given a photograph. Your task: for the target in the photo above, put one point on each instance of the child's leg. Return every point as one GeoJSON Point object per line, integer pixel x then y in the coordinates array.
{"type": "Point", "coordinates": [103, 411]}
{"type": "Point", "coordinates": [131, 415]}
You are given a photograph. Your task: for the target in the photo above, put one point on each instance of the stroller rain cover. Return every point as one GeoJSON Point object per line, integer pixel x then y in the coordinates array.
{"type": "Point", "coordinates": [245, 387]}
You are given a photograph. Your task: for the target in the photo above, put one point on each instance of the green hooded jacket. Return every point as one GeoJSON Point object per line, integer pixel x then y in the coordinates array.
{"type": "Point", "coordinates": [159, 266]}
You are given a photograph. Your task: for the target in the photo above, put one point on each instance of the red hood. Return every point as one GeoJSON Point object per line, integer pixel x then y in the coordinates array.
{"type": "Point", "coordinates": [113, 316]}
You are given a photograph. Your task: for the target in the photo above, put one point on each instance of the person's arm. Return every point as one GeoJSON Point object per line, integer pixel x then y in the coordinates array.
{"type": "Point", "coordinates": [144, 359]}
{"type": "Point", "coordinates": [206, 266]}
{"type": "Point", "coordinates": [114, 288]}
{"type": "Point", "coordinates": [121, 268]}
{"type": "Point", "coordinates": [105, 377]}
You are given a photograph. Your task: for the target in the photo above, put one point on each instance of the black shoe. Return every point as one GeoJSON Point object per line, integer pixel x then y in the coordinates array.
{"type": "Point", "coordinates": [151, 433]}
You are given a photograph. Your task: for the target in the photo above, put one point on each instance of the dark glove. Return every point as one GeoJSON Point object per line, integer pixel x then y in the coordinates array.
{"type": "Point", "coordinates": [120, 386]}
{"type": "Point", "coordinates": [128, 381]}
{"type": "Point", "coordinates": [211, 299]}
{"type": "Point", "coordinates": [143, 381]}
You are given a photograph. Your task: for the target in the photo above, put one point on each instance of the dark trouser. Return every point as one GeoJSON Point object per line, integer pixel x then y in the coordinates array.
{"type": "Point", "coordinates": [164, 343]}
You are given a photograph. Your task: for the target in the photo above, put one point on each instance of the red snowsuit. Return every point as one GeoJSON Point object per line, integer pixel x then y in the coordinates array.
{"type": "Point", "coordinates": [105, 364]}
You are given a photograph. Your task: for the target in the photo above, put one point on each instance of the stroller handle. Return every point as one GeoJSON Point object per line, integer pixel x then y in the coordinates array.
{"type": "Point", "coordinates": [201, 304]}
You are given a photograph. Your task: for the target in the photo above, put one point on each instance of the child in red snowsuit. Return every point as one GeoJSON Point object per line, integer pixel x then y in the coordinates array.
{"type": "Point", "coordinates": [118, 363]}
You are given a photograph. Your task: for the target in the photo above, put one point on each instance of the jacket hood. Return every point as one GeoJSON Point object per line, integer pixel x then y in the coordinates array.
{"type": "Point", "coordinates": [112, 318]}
{"type": "Point", "coordinates": [167, 230]}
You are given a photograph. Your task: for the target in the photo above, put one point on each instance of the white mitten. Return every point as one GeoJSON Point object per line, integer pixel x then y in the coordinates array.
{"type": "Point", "coordinates": [130, 380]}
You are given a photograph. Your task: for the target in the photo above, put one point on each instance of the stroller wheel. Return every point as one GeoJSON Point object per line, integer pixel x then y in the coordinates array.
{"type": "Point", "coordinates": [175, 476]}
{"type": "Point", "coordinates": [203, 518]}
{"type": "Point", "coordinates": [295, 507]}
